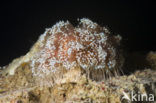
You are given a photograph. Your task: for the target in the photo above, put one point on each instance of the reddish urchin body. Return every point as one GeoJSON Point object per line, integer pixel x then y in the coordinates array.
{"type": "Point", "coordinates": [87, 46]}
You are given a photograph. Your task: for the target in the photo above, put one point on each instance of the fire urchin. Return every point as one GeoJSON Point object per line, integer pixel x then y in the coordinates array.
{"type": "Point", "coordinates": [88, 46]}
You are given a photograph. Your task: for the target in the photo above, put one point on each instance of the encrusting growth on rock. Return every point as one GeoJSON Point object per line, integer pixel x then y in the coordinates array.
{"type": "Point", "coordinates": [69, 65]}
{"type": "Point", "coordinates": [87, 46]}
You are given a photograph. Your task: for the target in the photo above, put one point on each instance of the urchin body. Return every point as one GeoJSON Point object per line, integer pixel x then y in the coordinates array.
{"type": "Point", "coordinates": [88, 46]}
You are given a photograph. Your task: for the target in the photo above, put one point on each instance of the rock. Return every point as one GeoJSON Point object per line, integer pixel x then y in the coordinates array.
{"type": "Point", "coordinates": [18, 84]}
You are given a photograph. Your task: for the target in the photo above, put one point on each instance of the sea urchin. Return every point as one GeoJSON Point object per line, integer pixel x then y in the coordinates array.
{"type": "Point", "coordinates": [88, 46]}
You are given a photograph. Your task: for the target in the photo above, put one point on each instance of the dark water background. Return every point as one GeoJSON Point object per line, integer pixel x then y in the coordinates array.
{"type": "Point", "coordinates": [22, 22]}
